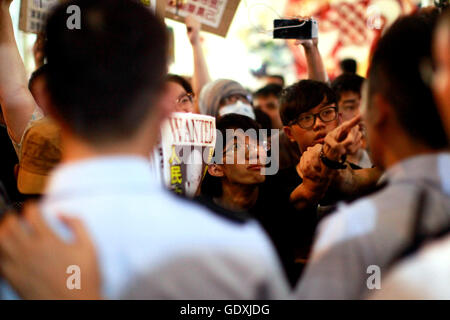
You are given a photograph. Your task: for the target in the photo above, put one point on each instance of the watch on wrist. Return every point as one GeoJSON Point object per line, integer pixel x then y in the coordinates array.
{"type": "Point", "coordinates": [336, 165]}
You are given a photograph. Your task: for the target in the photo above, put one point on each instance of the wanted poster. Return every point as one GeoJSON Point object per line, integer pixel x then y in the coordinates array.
{"type": "Point", "coordinates": [186, 146]}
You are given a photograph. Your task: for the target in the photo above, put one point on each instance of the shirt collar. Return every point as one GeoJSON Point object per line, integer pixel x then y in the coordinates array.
{"type": "Point", "coordinates": [102, 173]}
{"type": "Point", "coordinates": [434, 168]}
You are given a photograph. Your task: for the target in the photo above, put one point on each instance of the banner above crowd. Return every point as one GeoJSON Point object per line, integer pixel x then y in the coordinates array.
{"type": "Point", "coordinates": [214, 15]}
{"type": "Point", "coordinates": [33, 13]}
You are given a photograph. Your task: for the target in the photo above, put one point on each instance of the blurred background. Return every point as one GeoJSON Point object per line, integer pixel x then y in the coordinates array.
{"type": "Point", "coordinates": [347, 29]}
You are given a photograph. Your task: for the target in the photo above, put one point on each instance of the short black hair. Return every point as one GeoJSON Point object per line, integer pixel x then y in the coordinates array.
{"type": "Point", "coordinates": [348, 65]}
{"type": "Point", "coordinates": [302, 97]}
{"type": "Point", "coordinates": [181, 81]}
{"type": "Point", "coordinates": [395, 74]}
{"type": "Point", "coordinates": [263, 120]}
{"type": "Point", "coordinates": [272, 89]}
{"type": "Point", "coordinates": [212, 186]}
{"type": "Point", "coordinates": [347, 82]}
{"type": "Point", "coordinates": [104, 77]}
{"type": "Point", "coordinates": [277, 76]}
{"type": "Point", "coordinates": [41, 71]}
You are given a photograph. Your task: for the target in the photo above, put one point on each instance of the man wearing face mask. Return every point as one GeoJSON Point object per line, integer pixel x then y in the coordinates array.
{"type": "Point", "coordinates": [224, 96]}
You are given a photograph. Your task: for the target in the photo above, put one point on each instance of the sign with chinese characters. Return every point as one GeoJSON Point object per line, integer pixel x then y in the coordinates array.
{"type": "Point", "coordinates": [34, 13]}
{"type": "Point", "coordinates": [214, 15]}
{"type": "Point", "coordinates": [186, 146]}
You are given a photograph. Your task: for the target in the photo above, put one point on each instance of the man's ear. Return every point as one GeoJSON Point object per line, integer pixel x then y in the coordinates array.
{"type": "Point", "coordinates": [46, 100]}
{"type": "Point", "coordinates": [216, 170]}
{"type": "Point", "coordinates": [288, 133]}
{"type": "Point", "coordinates": [49, 106]}
{"type": "Point", "coordinates": [379, 111]}
{"type": "Point", "coordinates": [165, 105]}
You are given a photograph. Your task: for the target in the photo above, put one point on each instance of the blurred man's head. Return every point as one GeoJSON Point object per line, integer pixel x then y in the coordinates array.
{"type": "Point", "coordinates": [275, 79]}
{"type": "Point", "coordinates": [180, 93]}
{"type": "Point", "coordinates": [309, 112]}
{"type": "Point", "coordinates": [105, 79]}
{"type": "Point", "coordinates": [441, 81]}
{"type": "Point", "coordinates": [266, 99]}
{"type": "Point", "coordinates": [348, 66]}
{"type": "Point", "coordinates": [399, 109]}
{"type": "Point", "coordinates": [348, 93]}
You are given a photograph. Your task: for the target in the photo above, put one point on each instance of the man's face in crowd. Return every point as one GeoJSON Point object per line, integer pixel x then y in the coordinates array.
{"type": "Point", "coordinates": [232, 99]}
{"type": "Point", "coordinates": [182, 101]}
{"type": "Point", "coordinates": [309, 137]}
{"type": "Point", "coordinates": [270, 105]}
{"type": "Point", "coordinates": [441, 81]}
{"type": "Point", "coordinates": [242, 161]}
{"type": "Point", "coordinates": [349, 104]}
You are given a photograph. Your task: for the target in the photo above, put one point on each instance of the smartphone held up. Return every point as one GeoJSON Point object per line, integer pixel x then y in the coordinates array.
{"type": "Point", "coordinates": [302, 29]}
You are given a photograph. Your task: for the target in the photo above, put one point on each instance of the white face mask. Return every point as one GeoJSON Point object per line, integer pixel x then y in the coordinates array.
{"type": "Point", "coordinates": [239, 107]}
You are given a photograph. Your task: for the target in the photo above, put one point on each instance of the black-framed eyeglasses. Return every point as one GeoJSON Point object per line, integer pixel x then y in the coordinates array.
{"type": "Point", "coordinates": [186, 98]}
{"type": "Point", "coordinates": [308, 121]}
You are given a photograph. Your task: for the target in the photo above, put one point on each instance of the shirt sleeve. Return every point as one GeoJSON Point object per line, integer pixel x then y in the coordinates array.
{"type": "Point", "coordinates": [337, 268]}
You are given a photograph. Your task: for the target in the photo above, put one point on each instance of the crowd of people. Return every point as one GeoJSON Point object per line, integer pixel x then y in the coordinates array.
{"type": "Point", "coordinates": [363, 179]}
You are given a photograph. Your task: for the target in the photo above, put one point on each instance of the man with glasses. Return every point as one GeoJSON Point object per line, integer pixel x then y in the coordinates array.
{"type": "Point", "coordinates": [311, 119]}
{"type": "Point", "coordinates": [180, 91]}
{"type": "Point", "coordinates": [235, 186]}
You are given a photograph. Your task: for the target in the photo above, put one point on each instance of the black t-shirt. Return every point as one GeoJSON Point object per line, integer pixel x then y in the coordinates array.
{"type": "Point", "coordinates": [290, 230]}
{"type": "Point", "coordinates": [237, 217]}
{"type": "Point", "coordinates": [9, 160]}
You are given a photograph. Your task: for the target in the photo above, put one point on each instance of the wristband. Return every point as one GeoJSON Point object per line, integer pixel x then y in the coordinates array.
{"type": "Point", "coordinates": [336, 165]}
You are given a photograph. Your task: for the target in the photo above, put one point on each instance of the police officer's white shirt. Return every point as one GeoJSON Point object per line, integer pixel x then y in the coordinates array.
{"type": "Point", "coordinates": [374, 230]}
{"type": "Point", "coordinates": [424, 276]}
{"type": "Point", "coordinates": [152, 244]}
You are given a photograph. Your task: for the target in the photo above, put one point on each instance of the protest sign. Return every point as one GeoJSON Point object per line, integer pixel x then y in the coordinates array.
{"type": "Point", "coordinates": [214, 15]}
{"type": "Point", "coordinates": [34, 13]}
{"type": "Point", "coordinates": [186, 146]}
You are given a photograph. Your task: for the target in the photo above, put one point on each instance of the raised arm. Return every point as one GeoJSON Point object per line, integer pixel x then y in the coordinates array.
{"type": "Point", "coordinates": [16, 100]}
{"type": "Point", "coordinates": [201, 74]}
{"type": "Point", "coordinates": [316, 69]}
